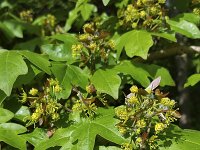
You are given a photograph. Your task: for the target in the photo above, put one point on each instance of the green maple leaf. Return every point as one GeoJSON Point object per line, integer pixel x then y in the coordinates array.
{"type": "Point", "coordinates": [82, 135]}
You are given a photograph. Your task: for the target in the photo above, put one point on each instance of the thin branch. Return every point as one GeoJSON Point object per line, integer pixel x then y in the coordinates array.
{"type": "Point", "coordinates": [177, 50]}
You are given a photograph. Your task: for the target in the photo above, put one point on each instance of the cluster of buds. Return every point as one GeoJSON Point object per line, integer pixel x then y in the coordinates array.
{"type": "Point", "coordinates": [143, 14]}
{"type": "Point", "coordinates": [145, 115]}
{"type": "Point", "coordinates": [85, 106]}
{"type": "Point", "coordinates": [93, 45]}
{"type": "Point", "coordinates": [48, 25]}
{"type": "Point", "coordinates": [195, 5]}
{"type": "Point", "coordinates": [44, 105]}
{"type": "Point", "coordinates": [26, 15]}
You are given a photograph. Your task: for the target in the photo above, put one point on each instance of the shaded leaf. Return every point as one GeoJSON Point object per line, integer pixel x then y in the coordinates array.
{"type": "Point", "coordinates": [30, 44]}
{"type": "Point", "coordinates": [76, 76]}
{"type": "Point", "coordinates": [33, 71]}
{"type": "Point", "coordinates": [103, 125]}
{"type": "Point", "coordinates": [59, 71]}
{"type": "Point", "coordinates": [192, 80]}
{"type": "Point", "coordinates": [142, 72]}
{"type": "Point", "coordinates": [182, 139]}
{"type": "Point", "coordinates": [83, 134]}
{"type": "Point", "coordinates": [11, 29]}
{"type": "Point", "coordinates": [36, 137]}
{"type": "Point", "coordinates": [106, 82]}
{"type": "Point", "coordinates": [2, 96]}
{"type": "Point", "coordinates": [137, 72]}
{"type": "Point", "coordinates": [60, 138]}
{"type": "Point", "coordinates": [12, 65]}
{"type": "Point", "coordinates": [191, 17]}
{"type": "Point", "coordinates": [156, 71]}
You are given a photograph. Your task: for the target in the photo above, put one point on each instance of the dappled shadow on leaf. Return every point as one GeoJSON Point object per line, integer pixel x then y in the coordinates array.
{"type": "Point", "coordinates": [63, 122]}
{"type": "Point", "coordinates": [172, 134]}
{"type": "Point", "coordinates": [100, 141]}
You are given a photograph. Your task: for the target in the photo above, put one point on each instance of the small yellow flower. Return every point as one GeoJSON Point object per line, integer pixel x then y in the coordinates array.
{"type": "Point", "coordinates": [134, 25]}
{"type": "Point", "coordinates": [161, 1]}
{"type": "Point", "coordinates": [134, 89]}
{"type": "Point", "coordinates": [33, 92]}
{"type": "Point", "coordinates": [133, 100]}
{"type": "Point", "coordinates": [167, 102]}
{"type": "Point", "coordinates": [159, 127]}
{"type": "Point", "coordinates": [138, 140]}
{"type": "Point", "coordinates": [58, 88]}
{"type": "Point", "coordinates": [55, 116]}
{"type": "Point", "coordinates": [130, 8]}
{"type": "Point", "coordinates": [24, 97]}
{"type": "Point", "coordinates": [88, 26]}
{"type": "Point", "coordinates": [122, 130]}
{"type": "Point", "coordinates": [35, 117]}
{"type": "Point", "coordinates": [127, 146]}
{"type": "Point", "coordinates": [141, 123]}
{"type": "Point", "coordinates": [92, 46]}
{"type": "Point", "coordinates": [142, 14]}
{"type": "Point", "coordinates": [111, 43]}
{"type": "Point", "coordinates": [121, 112]}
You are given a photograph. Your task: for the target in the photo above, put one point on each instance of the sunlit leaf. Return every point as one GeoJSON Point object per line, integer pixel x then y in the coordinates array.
{"type": "Point", "coordinates": [135, 43]}
{"type": "Point", "coordinates": [192, 80]}
{"type": "Point", "coordinates": [38, 60]}
{"type": "Point", "coordinates": [105, 2]}
{"type": "Point", "coordinates": [186, 28]}
{"type": "Point", "coordinates": [106, 82]}
{"type": "Point", "coordinates": [5, 115]}
{"type": "Point", "coordinates": [12, 65]}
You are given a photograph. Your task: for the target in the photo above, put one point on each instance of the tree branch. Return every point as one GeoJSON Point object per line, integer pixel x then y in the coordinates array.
{"type": "Point", "coordinates": [176, 50]}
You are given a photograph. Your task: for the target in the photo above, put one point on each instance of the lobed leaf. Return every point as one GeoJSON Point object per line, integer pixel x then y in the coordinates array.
{"type": "Point", "coordinates": [5, 115]}
{"type": "Point", "coordinates": [185, 28]}
{"type": "Point", "coordinates": [38, 60]}
{"type": "Point", "coordinates": [12, 65]}
{"type": "Point", "coordinates": [183, 139]}
{"type": "Point", "coordinates": [135, 43]}
{"type": "Point", "coordinates": [105, 2]}
{"type": "Point", "coordinates": [36, 137]}
{"type": "Point", "coordinates": [192, 80]}
{"type": "Point", "coordinates": [11, 138]}
{"type": "Point", "coordinates": [106, 82]}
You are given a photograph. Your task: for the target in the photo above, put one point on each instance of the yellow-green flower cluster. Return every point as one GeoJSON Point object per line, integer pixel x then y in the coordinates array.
{"type": "Point", "coordinates": [167, 102]}
{"type": "Point", "coordinates": [48, 24]}
{"type": "Point", "coordinates": [76, 50]}
{"type": "Point", "coordinates": [85, 106]}
{"type": "Point", "coordinates": [95, 45]}
{"type": "Point", "coordinates": [159, 127]}
{"type": "Point", "coordinates": [121, 112]}
{"type": "Point", "coordinates": [127, 146]}
{"type": "Point", "coordinates": [145, 116]}
{"type": "Point", "coordinates": [195, 5]}
{"type": "Point", "coordinates": [196, 11]}
{"type": "Point", "coordinates": [147, 14]}
{"type": "Point", "coordinates": [26, 15]}
{"type": "Point", "coordinates": [43, 104]}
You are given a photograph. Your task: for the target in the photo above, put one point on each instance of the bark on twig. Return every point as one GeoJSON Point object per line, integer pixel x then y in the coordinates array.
{"type": "Point", "coordinates": [176, 50]}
